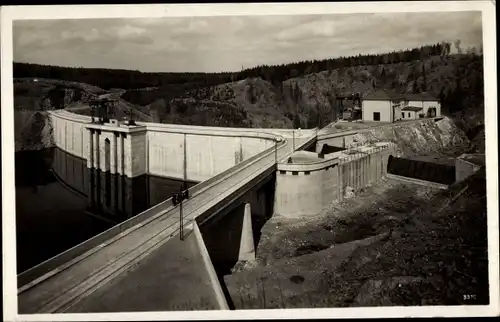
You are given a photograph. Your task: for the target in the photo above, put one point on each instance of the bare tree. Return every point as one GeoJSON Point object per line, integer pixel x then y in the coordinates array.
{"type": "Point", "coordinates": [457, 45]}
{"type": "Point", "coordinates": [472, 50]}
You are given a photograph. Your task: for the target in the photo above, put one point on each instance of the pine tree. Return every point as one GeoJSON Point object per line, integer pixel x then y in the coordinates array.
{"type": "Point", "coordinates": [424, 84]}
{"type": "Point", "coordinates": [442, 96]}
{"type": "Point", "coordinates": [415, 87]}
{"type": "Point", "coordinates": [296, 121]}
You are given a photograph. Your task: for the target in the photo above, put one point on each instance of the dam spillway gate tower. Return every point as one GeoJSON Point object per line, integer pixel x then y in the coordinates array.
{"type": "Point", "coordinates": [115, 149]}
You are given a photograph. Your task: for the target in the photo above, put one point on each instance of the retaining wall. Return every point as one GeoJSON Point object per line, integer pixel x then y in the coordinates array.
{"type": "Point", "coordinates": [427, 171]}
{"type": "Point", "coordinates": [465, 168]}
{"type": "Point", "coordinates": [365, 166]}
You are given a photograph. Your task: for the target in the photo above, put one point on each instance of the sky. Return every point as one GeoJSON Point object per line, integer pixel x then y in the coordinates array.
{"type": "Point", "coordinates": [214, 44]}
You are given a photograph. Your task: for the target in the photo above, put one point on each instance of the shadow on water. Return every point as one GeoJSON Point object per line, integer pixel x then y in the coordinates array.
{"type": "Point", "coordinates": [61, 203]}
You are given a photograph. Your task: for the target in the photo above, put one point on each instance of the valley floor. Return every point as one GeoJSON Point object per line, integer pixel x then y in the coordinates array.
{"type": "Point", "coordinates": [393, 244]}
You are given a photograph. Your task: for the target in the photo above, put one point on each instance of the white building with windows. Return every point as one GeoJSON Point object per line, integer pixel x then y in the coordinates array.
{"type": "Point", "coordinates": [388, 106]}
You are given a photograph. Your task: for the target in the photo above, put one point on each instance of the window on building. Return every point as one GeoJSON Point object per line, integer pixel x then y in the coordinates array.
{"type": "Point", "coordinates": [403, 114]}
{"type": "Point", "coordinates": [376, 116]}
{"type": "Point", "coordinates": [409, 115]}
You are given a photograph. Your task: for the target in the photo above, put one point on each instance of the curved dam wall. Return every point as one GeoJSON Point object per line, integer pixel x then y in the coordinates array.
{"type": "Point", "coordinates": [204, 152]}
{"type": "Point", "coordinates": [306, 189]}
{"type": "Point", "coordinates": [190, 153]}
{"type": "Point", "coordinates": [68, 131]}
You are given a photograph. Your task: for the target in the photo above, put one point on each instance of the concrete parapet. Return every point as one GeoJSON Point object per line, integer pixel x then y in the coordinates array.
{"type": "Point", "coordinates": [417, 181]}
{"type": "Point", "coordinates": [214, 280]}
{"type": "Point", "coordinates": [467, 164]}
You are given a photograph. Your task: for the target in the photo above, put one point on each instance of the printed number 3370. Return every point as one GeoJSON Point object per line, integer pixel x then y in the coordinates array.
{"type": "Point", "coordinates": [469, 296]}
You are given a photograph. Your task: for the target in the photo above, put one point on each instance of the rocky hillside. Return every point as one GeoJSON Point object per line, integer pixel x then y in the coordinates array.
{"type": "Point", "coordinates": [247, 103]}
{"type": "Point", "coordinates": [33, 131]}
{"type": "Point", "coordinates": [440, 138]}
{"type": "Point", "coordinates": [32, 94]}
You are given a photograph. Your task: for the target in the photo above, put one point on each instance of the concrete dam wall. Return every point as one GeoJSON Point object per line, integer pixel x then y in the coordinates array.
{"type": "Point", "coordinates": [190, 153]}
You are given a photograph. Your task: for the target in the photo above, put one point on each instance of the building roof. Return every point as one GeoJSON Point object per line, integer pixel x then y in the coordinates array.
{"type": "Point", "coordinates": [424, 96]}
{"type": "Point", "coordinates": [304, 157]}
{"type": "Point", "coordinates": [384, 94]}
{"type": "Point", "coordinates": [411, 108]}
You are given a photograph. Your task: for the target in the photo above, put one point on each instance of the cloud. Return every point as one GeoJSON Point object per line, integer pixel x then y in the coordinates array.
{"type": "Point", "coordinates": [226, 43]}
{"type": "Point", "coordinates": [130, 31]}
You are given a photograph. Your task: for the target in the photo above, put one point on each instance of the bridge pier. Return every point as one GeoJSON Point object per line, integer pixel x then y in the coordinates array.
{"type": "Point", "coordinates": [247, 246]}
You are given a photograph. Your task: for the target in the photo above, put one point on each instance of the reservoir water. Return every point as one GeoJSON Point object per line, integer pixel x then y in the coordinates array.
{"type": "Point", "coordinates": [60, 203]}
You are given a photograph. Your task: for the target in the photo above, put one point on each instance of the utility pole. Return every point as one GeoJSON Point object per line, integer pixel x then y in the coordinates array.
{"type": "Point", "coordinates": [276, 151]}
{"type": "Point", "coordinates": [293, 139]}
{"type": "Point", "coordinates": [181, 217]}
{"type": "Point", "coordinates": [177, 199]}
{"type": "Point", "coordinates": [276, 140]}
{"type": "Point", "coordinates": [185, 158]}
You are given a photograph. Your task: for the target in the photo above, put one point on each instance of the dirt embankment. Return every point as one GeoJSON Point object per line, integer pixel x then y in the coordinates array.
{"type": "Point", "coordinates": [394, 244]}
{"type": "Point", "coordinates": [439, 139]}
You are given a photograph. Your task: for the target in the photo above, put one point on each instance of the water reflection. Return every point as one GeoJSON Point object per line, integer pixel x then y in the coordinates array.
{"type": "Point", "coordinates": [61, 203]}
